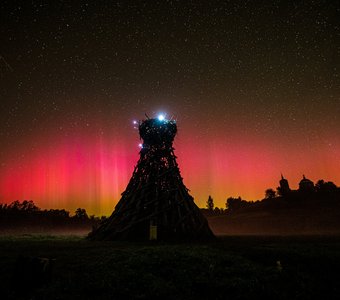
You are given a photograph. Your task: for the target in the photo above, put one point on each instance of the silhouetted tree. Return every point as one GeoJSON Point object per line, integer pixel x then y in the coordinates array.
{"type": "Point", "coordinates": [27, 215]}
{"type": "Point", "coordinates": [325, 187]}
{"type": "Point", "coordinates": [331, 187]}
{"type": "Point", "coordinates": [29, 206]}
{"type": "Point", "coordinates": [270, 194]}
{"type": "Point", "coordinates": [319, 185]}
{"type": "Point", "coordinates": [14, 206]}
{"type": "Point", "coordinates": [210, 203]}
{"type": "Point", "coordinates": [217, 211]}
{"type": "Point", "coordinates": [59, 213]}
{"type": "Point", "coordinates": [233, 203]}
{"type": "Point", "coordinates": [81, 214]}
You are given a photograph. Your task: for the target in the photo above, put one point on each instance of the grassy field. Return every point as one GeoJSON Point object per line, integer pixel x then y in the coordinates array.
{"type": "Point", "coordinates": [230, 268]}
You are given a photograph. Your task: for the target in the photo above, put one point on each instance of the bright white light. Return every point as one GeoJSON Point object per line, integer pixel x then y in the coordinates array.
{"type": "Point", "coordinates": [161, 117]}
{"type": "Point", "coordinates": [135, 122]}
{"type": "Point", "coordinates": [140, 145]}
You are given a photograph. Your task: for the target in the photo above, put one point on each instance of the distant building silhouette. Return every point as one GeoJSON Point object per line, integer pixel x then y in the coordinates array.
{"type": "Point", "coordinates": [284, 186]}
{"type": "Point", "coordinates": [306, 185]}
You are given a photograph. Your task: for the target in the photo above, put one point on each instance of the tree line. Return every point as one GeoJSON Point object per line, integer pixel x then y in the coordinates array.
{"type": "Point", "coordinates": [26, 213]}
{"type": "Point", "coordinates": [323, 193]}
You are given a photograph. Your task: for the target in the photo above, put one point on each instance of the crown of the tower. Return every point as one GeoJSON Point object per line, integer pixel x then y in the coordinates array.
{"type": "Point", "coordinates": [155, 132]}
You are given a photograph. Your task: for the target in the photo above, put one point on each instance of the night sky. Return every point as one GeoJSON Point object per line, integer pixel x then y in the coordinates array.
{"type": "Point", "coordinates": [254, 87]}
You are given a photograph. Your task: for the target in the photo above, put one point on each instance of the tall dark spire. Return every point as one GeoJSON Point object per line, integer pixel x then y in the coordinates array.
{"type": "Point", "coordinates": [284, 186]}
{"type": "Point", "coordinates": [156, 203]}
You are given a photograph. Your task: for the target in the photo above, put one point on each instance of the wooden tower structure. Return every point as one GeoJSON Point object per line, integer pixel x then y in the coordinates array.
{"type": "Point", "coordinates": [156, 204]}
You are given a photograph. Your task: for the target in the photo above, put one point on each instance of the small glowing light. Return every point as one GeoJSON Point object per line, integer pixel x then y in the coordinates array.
{"type": "Point", "coordinates": [140, 145]}
{"type": "Point", "coordinates": [135, 122]}
{"type": "Point", "coordinates": [161, 117]}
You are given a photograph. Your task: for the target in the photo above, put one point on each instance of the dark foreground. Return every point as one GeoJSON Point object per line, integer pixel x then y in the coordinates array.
{"type": "Point", "coordinates": [231, 268]}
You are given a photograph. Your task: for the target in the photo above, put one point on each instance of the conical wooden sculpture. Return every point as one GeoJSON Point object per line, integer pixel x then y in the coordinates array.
{"type": "Point", "coordinates": [156, 204]}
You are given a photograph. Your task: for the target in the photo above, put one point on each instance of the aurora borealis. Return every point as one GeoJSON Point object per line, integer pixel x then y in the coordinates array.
{"type": "Point", "coordinates": [254, 88]}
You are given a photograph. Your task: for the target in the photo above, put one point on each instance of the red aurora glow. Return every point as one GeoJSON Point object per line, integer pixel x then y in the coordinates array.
{"type": "Point", "coordinates": [84, 170]}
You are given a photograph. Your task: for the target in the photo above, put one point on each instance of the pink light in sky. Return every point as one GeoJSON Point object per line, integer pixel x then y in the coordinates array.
{"type": "Point", "coordinates": [91, 171]}
{"type": "Point", "coordinates": [80, 172]}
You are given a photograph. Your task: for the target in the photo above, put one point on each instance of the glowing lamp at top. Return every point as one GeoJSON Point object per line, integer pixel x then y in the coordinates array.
{"type": "Point", "coordinates": [161, 117]}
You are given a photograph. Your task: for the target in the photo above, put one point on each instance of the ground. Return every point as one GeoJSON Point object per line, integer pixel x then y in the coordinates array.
{"type": "Point", "coordinates": [230, 268]}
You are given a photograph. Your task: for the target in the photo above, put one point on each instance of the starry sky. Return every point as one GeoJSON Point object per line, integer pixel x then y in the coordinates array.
{"type": "Point", "coordinates": [254, 87]}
